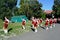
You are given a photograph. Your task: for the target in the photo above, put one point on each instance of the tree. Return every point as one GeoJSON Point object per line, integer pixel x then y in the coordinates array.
{"type": "Point", "coordinates": [30, 8]}
{"type": "Point", "coordinates": [56, 8]}
{"type": "Point", "coordinates": [7, 7]}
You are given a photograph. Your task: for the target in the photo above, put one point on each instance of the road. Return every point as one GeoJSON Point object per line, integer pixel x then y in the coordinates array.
{"type": "Point", "coordinates": [51, 34]}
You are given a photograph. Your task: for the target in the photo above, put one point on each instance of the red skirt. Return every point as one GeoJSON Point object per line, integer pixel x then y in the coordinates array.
{"type": "Point", "coordinates": [46, 24]}
{"type": "Point", "coordinates": [23, 23]}
{"type": "Point", "coordinates": [35, 24]}
{"type": "Point", "coordinates": [51, 23]}
{"type": "Point", "coordinates": [5, 26]}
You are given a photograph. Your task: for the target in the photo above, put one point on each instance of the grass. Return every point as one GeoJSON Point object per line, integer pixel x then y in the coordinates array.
{"type": "Point", "coordinates": [15, 28]}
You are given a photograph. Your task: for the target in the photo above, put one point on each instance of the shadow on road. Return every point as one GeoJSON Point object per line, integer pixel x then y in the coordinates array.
{"type": "Point", "coordinates": [32, 29]}
{"type": "Point", "coordinates": [10, 29]}
{"type": "Point", "coordinates": [42, 27]}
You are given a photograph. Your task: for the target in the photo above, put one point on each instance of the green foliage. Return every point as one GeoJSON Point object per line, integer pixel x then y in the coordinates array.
{"type": "Point", "coordinates": [30, 8]}
{"type": "Point", "coordinates": [6, 8]}
{"type": "Point", "coordinates": [56, 8]}
{"type": "Point", "coordinates": [43, 15]}
{"type": "Point", "coordinates": [15, 28]}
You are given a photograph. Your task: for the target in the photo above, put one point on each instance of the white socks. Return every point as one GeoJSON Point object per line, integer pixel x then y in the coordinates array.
{"type": "Point", "coordinates": [5, 31]}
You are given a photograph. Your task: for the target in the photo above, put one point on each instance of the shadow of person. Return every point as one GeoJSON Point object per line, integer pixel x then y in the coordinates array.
{"type": "Point", "coordinates": [32, 29]}
{"type": "Point", "coordinates": [42, 27]}
{"type": "Point", "coordinates": [9, 29]}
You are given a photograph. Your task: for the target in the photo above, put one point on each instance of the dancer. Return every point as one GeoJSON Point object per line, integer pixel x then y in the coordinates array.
{"type": "Point", "coordinates": [5, 28]}
{"type": "Point", "coordinates": [35, 25]}
{"type": "Point", "coordinates": [46, 23]}
{"type": "Point", "coordinates": [51, 22]}
{"type": "Point", "coordinates": [23, 23]}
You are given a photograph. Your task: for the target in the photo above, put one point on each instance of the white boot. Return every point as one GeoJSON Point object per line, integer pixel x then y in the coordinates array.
{"type": "Point", "coordinates": [35, 30]}
{"type": "Point", "coordinates": [5, 31]}
{"type": "Point", "coordinates": [50, 26]}
{"type": "Point", "coordinates": [23, 27]}
{"type": "Point", "coordinates": [47, 28]}
{"type": "Point", "coordinates": [53, 25]}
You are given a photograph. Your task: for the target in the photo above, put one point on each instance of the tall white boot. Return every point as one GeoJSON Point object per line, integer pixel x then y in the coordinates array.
{"type": "Point", "coordinates": [50, 26]}
{"type": "Point", "coordinates": [35, 29]}
{"type": "Point", "coordinates": [5, 31]}
{"type": "Point", "coordinates": [47, 28]}
{"type": "Point", "coordinates": [53, 25]}
{"type": "Point", "coordinates": [23, 27]}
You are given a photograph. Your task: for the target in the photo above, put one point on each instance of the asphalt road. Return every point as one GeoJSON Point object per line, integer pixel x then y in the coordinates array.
{"type": "Point", "coordinates": [51, 34]}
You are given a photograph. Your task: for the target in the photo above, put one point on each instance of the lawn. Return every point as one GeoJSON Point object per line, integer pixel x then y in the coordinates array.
{"type": "Point", "coordinates": [15, 29]}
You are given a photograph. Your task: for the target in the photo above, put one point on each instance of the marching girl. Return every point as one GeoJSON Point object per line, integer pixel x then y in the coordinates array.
{"type": "Point", "coordinates": [54, 21]}
{"type": "Point", "coordinates": [35, 25]}
{"type": "Point", "coordinates": [23, 23]}
{"type": "Point", "coordinates": [51, 22]}
{"type": "Point", "coordinates": [46, 23]}
{"type": "Point", "coordinates": [5, 27]}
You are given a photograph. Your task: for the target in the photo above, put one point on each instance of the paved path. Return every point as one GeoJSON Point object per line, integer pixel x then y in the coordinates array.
{"type": "Point", "coordinates": [51, 34]}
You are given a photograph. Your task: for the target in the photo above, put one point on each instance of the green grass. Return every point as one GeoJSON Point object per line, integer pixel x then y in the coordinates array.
{"type": "Point", "coordinates": [15, 28]}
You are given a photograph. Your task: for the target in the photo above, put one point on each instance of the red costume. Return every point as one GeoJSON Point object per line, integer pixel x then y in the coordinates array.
{"type": "Point", "coordinates": [6, 24]}
{"type": "Point", "coordinates": [47, 22]}
{"type": "Point", "coordinates": [33, 21]}
{"type": "Point", "coordinates": [50, 22]}
{"type": "Point", "coordinates": [54, 20]}
{"type": "Point", "coordinates": [23, 22]}
{"type": "Point", "coordinates": [35, 24]}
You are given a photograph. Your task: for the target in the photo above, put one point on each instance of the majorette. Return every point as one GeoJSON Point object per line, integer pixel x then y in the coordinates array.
{"type": "Point", "coordinates": [23, 23]}
{"type": "Point", "coordinates": [51, 22]}
{"type": "Point", "coordinates": [46, 23]}
{"type": "Point", "coordinates": [5, 28]}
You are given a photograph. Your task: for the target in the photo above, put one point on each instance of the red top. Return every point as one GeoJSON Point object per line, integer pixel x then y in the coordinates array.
{"type": "Point", "coordinates": [23, 22]}
{"type": "Point", "coordinates": [33, 21]}
{"type": "Point", "coordinates": [47, 22]}
{"type": "Point", "coordinates": [54, 20]}
{"type": "Point", "coordinates": [5, 24]}
{"type": "Point", "coordinates": [50, 21]}
{"type": "Point", "coordinates": [35, 24]}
